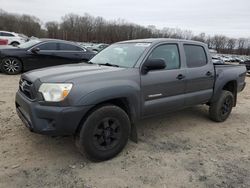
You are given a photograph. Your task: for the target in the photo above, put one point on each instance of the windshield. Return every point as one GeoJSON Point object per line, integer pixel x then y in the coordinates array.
{"type": "Point", "coordinates": [122, 55]}
{"type": "Point", "coordinates": [29, 44]}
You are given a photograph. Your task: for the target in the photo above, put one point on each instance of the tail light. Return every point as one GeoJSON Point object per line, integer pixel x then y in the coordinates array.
{"type": "Point", "coordinates": [3, 42]}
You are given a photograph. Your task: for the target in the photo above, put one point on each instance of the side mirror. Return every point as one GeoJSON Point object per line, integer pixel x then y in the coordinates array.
{"type": "Point", "coordinates": [153, 64]}
{"type": "Point", "coordinates": [35, 50]}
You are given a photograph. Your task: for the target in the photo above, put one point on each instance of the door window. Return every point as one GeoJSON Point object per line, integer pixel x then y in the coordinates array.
{"type": "Point", "coordinates": [6, 34]}
{"type": "Point", "coordinates": [195, 56]}
{"type": "Point", "coordinates": [51, 46]}
{"type": "Point", "coordinates": [168, 52]}
{"type": "Point", "coordinates": [69, 47]}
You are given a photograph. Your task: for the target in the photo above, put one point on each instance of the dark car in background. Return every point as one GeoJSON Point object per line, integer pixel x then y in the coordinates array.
{"type": "Point", "coordinates": [40, 53]}
{"type": "Point", "coordinates": [99, 47]}
{"type": "Point", "coordinates": [247, 63]}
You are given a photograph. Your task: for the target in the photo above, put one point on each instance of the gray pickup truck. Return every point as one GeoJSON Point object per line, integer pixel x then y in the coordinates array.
{"type": "Point", "coordinates": [99, 102]}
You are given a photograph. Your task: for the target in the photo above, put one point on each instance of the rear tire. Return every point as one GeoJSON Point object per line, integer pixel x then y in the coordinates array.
{"type": "Point", "coordinates": [220, 110]}
{"type": "Point", "coordinates": [104, 133]}
{"type": "Point", "coordinates": [11, 66]}
{"type": "Point", "coordinates": [15, 43]}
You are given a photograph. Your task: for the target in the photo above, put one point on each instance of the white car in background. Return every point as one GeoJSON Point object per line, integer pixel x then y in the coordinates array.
{"type": "Point", "coordinates": [14, 39]}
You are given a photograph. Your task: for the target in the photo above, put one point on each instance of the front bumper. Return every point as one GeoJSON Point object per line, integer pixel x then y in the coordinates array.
{"type": "Point", "coordinates": [49, 120]}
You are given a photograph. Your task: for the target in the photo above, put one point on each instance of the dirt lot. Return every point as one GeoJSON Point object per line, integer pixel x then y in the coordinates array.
{"type": "Point", "coordinates": [183, 149]}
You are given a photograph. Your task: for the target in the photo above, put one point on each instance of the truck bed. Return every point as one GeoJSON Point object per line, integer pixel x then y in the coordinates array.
{"type": "Point", "coordinates": [229, 72]}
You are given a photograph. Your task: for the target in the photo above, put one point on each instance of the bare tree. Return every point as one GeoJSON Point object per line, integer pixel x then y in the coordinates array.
{"type": "Point", "coordinates": [231, 43]}
{"type": "Point", "coordinates": [219, 42]}
{"type": "Point", "coordinates": [201, 37]}
{"type": "Point", "coordinates": [53, 30]}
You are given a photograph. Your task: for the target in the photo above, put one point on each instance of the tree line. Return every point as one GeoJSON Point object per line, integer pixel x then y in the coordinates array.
{"type": "Point", "coordinates": [88, 28]}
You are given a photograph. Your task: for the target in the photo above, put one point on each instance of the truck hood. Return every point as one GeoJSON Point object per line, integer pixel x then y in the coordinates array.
{"type": "Point", "coordinates": [68, 73]}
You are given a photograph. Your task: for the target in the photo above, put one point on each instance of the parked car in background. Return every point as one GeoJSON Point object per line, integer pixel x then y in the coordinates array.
{"type": "Point", "coordinates": [14, 39]}
{"type": "Point", "coordinates": [218, 61]}
{"type": "Point", "coordinates": [226, 59]}
{"type": "Point", "coordinates": [237, 59]}
{"type": "Point", "coordinates": [88, 46]}
{"type": "Point", "coordinates": [247, 63]}
{"type": "Point", "coordinates": [3, 42]}
{"type": "Point", "coordinates": [41, 53]}
{"type": "Point", "coordinates": [99, 47]}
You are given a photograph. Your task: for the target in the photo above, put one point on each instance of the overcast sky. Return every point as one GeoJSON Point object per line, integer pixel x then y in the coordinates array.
{"type": "Point", "coordinates": [228, 17]}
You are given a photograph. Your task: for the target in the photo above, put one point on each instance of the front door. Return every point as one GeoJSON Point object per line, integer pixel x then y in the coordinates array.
{"type": "Point", "coordinates": [45, 57]}
{"type": "Point", "coordinates": [163, 90]}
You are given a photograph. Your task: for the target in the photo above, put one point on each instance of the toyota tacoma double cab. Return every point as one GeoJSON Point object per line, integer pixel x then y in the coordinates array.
{"type": "Point", "coordinates": [100, 102]}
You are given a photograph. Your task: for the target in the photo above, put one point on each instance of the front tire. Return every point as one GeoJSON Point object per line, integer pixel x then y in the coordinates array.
{"type": "Point", "coordinates": [220, 110]}
{"type": "Point", "coordinates": [11, 66]}
{"type": "Point", "coordinates": [104, 133]}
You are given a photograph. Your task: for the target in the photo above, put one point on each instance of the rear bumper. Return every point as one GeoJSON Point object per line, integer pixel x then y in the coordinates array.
{"type": "Point", "coordinates": [49, 120]}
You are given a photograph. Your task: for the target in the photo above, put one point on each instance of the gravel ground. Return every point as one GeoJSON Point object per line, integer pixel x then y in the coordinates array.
{"type": "Point", "coordinates": [182, 149]}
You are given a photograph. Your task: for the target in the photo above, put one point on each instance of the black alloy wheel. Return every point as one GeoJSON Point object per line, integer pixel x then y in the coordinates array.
{"type": "Point", "coordinates": [107, 134]}
{"type": "Point", "coordinates": [226, 106]}
{"type": "Point", "coordinates": [11, 66]}
{"type": "Point", "coordinates": [220, 110]}
{"type": "Point", "coordinates": [104, 133]}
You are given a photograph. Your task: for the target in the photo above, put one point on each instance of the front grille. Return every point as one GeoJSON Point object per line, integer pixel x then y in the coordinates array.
{"type": "Point", "coordinates": [26, 88]}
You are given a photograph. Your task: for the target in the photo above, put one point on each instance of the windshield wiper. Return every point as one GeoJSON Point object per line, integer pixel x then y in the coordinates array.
{"type": "Point", "coordinates": [109, 64]}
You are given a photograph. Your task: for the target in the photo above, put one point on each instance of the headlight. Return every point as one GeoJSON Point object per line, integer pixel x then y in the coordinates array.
{"type": "Point", "coordinates": [55, 92]}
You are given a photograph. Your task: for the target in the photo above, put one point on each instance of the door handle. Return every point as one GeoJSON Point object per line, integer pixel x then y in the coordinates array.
{"type": "Point", "coordinates": [180, 77]}
{"type": "Point", "coordinates": [209, 73]}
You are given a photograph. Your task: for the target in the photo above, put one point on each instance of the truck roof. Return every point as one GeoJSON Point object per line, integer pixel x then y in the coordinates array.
{"type": "Point", "coordinates": [158, 40]}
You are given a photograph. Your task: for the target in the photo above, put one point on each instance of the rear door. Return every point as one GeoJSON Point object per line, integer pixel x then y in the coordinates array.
{"type": "Point", "coordinates": [163, 90]}
{"type": "Point", "coordinates": [70, 53]}
{"type": "Point", "coordinates": [200, 75]}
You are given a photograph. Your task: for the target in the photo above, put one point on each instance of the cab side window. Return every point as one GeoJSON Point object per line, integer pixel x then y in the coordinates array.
{"type": "Point", "coordinates": [195, 55]}
{"type": "Point", "coordinates": [168, 52]}
{"type": "Point", "coordinates": [6, 34]}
